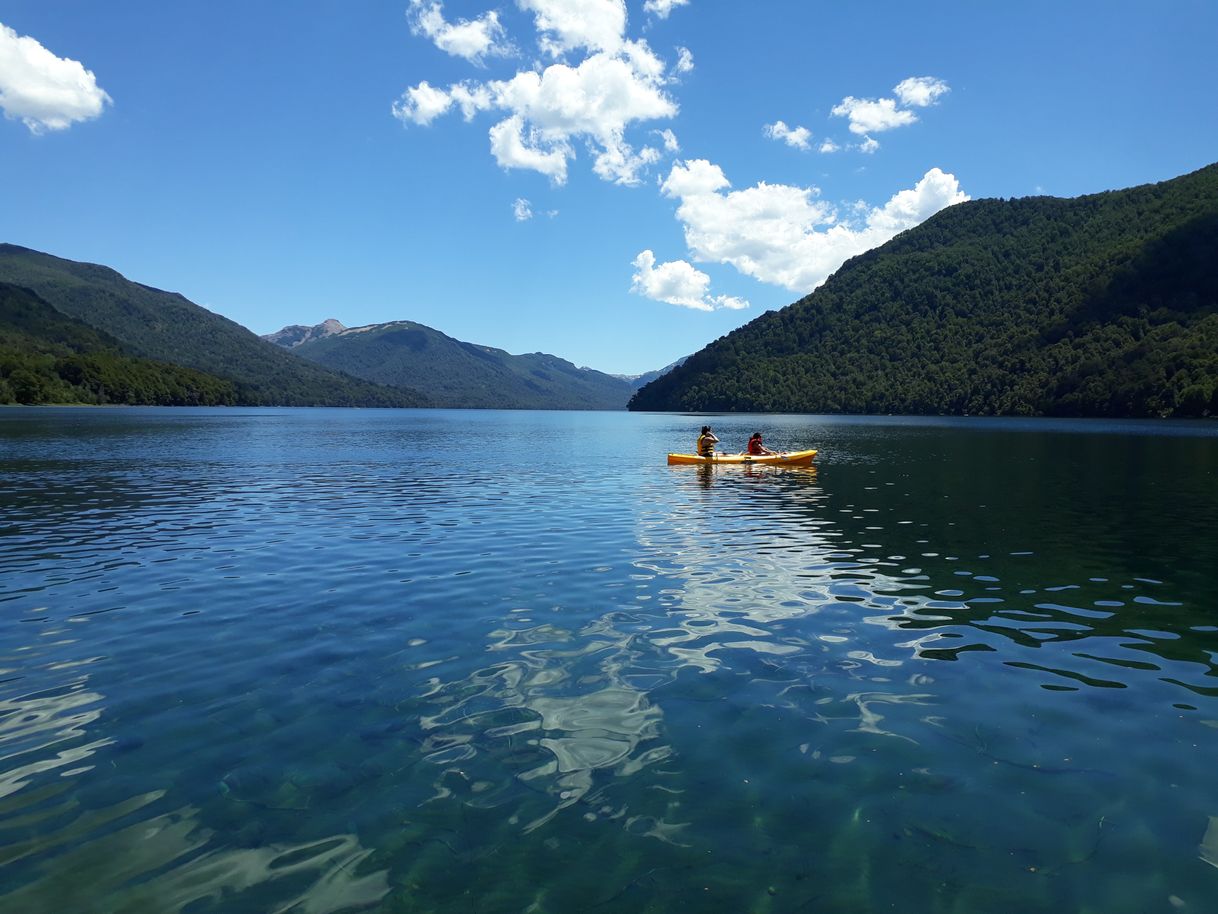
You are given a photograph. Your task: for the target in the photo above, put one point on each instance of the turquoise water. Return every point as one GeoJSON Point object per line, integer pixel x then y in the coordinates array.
{"type": "Point", "coordinates": [412, 661]}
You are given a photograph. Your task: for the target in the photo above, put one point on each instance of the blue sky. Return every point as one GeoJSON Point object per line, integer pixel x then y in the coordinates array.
{"type": "Point", "coordinates": [617, 183]}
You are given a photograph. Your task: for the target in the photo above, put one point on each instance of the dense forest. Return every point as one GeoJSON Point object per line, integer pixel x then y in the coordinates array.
{"type": "Point", "coordinates": [47, 357]}
{"type": "Point", "coordinates": [1104, 305]}
{"type": "Point", "coordinates": [165, 327]}
{"type": "Point", "coordinates": [453, 373]}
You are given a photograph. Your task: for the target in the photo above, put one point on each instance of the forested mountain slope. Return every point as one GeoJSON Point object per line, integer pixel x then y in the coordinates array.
{"type": "Point", "coordinates": [1103, 305]}
{"type": "Point", "coordinates": [456, 374]}
{"type": "Point", "coordinates": [167, 327]}
{"type": "Point", "coordinates": [48, 357]}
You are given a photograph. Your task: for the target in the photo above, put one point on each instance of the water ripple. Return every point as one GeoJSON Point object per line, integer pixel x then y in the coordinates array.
{"type": "Point", "coordinates": [325, 661]}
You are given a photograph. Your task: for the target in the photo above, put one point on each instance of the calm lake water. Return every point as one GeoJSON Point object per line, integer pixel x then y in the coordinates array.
{"type": "Point", "coordinates": [410, 661]}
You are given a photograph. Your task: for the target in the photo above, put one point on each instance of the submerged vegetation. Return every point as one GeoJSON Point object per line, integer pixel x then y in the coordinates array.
{"type": "Point", "coordinates": [1105, 305]}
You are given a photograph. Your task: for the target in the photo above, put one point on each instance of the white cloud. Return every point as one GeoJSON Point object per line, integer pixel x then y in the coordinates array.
{"type": "Point", "coordinates": [782, 234]}
{"type": "Point", "coordinates": [678, 282]}
{"type": "Point", "coordinates": [797, 137]}
{"type": "Point", "coordinates": [44, 91]}
{"type": "Point", "coordinates": [920, 91]}
{"type": "Point", "coordinates": [513, 148]}
{"type": "Point", "coordinates": [911, 207]}
{"type": "Point", "coordinates": [685, 60]}
{"type": "Point", "coordinates": [670, 140]}
{"type": "Point", "coordinates": [598, 25]}
{"type": "Point", "coordinates": [599, 97]}
{"type": "Point", "coordinates": [422, 104]}
{"type": "Point", "coordinates": [547, 110]}
{"type": "Point", "coordinates": [872, 115]}
{"type": "Point", "coordinates": [470, 98]}
{"type": "Point", "coordinates": [868, 145]}
{"type": "Point", "coordinates": [661, 8]}
{"type": "Point", "coordinates": [619, 163]}
{"type": "Point", "coordinates": [548, 113]}
{"type": "Point", "coordinates": [522, 210]}
{"type": "Point", "coordinates": [828, 145]}
{"type": "Point", "coordinates": [643, 60]}
{"type": "Point", "coordinates": [472, 39]}
{"type": "Point", "coordinates": [695, 178]}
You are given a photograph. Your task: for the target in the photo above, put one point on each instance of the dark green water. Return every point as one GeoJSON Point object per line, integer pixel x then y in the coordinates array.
{"type": "Point", "coordinates": [320, 661]}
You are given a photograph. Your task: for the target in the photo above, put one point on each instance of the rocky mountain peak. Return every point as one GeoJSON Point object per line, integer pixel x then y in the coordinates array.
{"type": "Point", "coordinates": [294, 335]}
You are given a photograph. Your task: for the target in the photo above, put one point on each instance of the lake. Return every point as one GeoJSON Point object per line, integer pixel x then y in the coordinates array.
{"type": "Point", "coordinates": [411, 661]}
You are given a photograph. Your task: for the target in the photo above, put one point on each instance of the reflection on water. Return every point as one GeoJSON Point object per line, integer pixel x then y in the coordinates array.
{"type": "Point", "coordinates": [125, 856]}
{"type": "Point", "coordinates": [31, 726]}
{"type": "Point", "coordinates": [314, 661]}
{"type": "Point", "coordinates": [162, 864]}
{"type": "Point", "coordinates": [547, 718]}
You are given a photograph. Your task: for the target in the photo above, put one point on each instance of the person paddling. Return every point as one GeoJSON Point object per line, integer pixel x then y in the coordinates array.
{"type": "Point", "coordinates": [707, 442]}
{"type": "Point", "coordinates": [756, 448]}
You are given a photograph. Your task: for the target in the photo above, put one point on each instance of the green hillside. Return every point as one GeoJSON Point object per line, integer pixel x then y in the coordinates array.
{"type": "Point", "coordinates": [1104, 305]}
{"type": "Point", "coordinates": [48, 357]}
{"type": "Point", "coordinates": [460, 375]}
{"type": "Point", "coordinates": [166, 327]}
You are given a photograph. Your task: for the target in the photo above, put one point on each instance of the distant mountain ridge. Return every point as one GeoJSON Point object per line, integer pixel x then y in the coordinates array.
{"type": "Point", "coordinates": [452, 373]}
{"type": "Point", "coordinates": [642, 380]}
{"type": "Point", "coordinates": [1103, 305]}
{"type": "Point", "coordinates": [166, 327]}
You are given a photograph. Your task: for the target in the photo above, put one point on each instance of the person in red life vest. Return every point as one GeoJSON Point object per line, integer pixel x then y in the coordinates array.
{"type": "Point", "coordinates": [756, 448]}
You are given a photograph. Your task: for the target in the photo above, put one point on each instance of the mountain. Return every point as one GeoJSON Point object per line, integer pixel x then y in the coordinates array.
{"type": "Point", "coordinates": [48, 357]}
{"type": "Point", "coordinates": [1103, 305]}
{"type": "Point", "coordinates": [456, 374]}
{"type": "Point", "coordinates": [641, 380]}
{"type": "Point", "coordinates": [292, 336]}
{"type": "Point", "coordinates": [166, 327]}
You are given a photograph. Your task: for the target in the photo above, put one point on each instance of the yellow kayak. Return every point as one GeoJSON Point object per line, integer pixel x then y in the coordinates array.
{"type": "Point", "coordinates": [789, 459]}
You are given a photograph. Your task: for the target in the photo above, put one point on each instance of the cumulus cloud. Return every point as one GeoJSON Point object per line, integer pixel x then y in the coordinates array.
{"type": "Point", "coordinates": [797, 137]}
{"type": "Point", "coordinates": [514, 148]}
{"type": "Point", "coordinates": [472, 39]}
{"type": "Point", "coordinates": [678, 282]}
{"type": "Point", "coordinates": [619, 163]}
{"type": "Point", "coordinates": [549, 110]}
{"type": "Point", "coordinates": [522, 210]}
{"type": "Point", "coordinates": [422, 104]}
{"type": "Point", "coordinates": [920, 91]}
{"type": "Point", "coordinates": [670, 140]}
{"type": "Point", "coordinates": [565, 25]}
{"type": "Point", "coordinates": [875, 115]}
{"type": "Point", "coordinates": [598, 98]}
{"type": "Point", "coordinates": [44, 91]}
{"type": "Point", "coordinates": [828, 145]}
{"type": "Point", "coordinates": [786, 235]}
{"type": "Point", "coordinates": [661, 8]}
{"type": "Point", "coordinates": [547, 114]}
{"type": "Point", "coordinates": [872, 115]}
{"type": "Point", "coordinates": [869, 145]}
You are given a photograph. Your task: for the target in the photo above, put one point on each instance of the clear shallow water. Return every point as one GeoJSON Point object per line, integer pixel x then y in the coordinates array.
{"type": "Point", "coordinates": [319, 661]}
